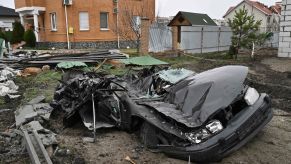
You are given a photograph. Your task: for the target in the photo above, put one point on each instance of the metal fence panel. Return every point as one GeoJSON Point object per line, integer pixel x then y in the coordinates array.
{"type": "Point", "coordinates": [191, 39]}
{"type": "Point", "coordinates": [204, 39]}
{"type": "Point", "coordinates": [210, 39]}
{"type": "Point", "coordinates": [197, 39]}
{"type": "Point", "coordinates": [160, 38]}
{"type": "Point", "coordinates": [225, 38]}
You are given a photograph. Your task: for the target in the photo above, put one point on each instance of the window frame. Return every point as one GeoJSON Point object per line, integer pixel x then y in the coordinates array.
{"type": "Point", "coordinates": [84, 29]}
{"type": "Point", "coordinates": [107, 21]}
{"type": "Point", "coordinates": [136, 23]}
{"type": "Point", "coordinates": [53, 20]}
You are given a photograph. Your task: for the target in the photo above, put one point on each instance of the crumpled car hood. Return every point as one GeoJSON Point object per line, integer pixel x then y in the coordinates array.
{"type": "Point", "coordinates": [200, 96]}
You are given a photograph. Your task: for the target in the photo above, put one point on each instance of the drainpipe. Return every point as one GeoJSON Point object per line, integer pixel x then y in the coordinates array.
{"type": "Point", "coordinates": [117, 27]}
{"type": "Point", "coordinates": [67, 28]}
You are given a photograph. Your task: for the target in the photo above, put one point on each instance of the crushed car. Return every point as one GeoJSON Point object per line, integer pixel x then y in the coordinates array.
{"type": "Point", "coordinates": [198, 116]}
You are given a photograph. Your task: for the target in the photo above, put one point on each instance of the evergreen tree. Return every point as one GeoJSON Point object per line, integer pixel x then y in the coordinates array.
{"type": "Point", "coordinates": [244, 28]}
{"type": "Point", "coordinates": [29, 38]}
{"type": "Point", "coordinates": [18, 32]}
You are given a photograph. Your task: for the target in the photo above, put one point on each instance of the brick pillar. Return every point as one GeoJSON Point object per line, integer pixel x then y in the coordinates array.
{"type": "Point", "coordinates": [144, 40]}
{"type": "Point", "coordinates": [175, 37]}
{"type": "Point", "coordinates": [285, 30]}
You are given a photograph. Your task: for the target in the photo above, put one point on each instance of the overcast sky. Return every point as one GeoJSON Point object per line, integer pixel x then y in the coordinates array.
{"type": "Point", "coordinates": [214, 8]}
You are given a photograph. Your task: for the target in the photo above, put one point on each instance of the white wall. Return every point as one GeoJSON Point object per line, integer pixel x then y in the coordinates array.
{"type": "Point", "coordinates": [285, 30]}
{"type": "Point", "coordinates": [251, 10]}
{"type": "Point", "coordinates": [8, 22]}
{"type": "Point", "coordinates": [197, 39]}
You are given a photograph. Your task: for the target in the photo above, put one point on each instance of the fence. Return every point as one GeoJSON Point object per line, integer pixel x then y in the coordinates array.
{"type": "Point", "coordinates": [197, 39]}
{"type": "Point", "coordinates": [205, 39]}
{"type": "Point", "coordinates": [160, 38]}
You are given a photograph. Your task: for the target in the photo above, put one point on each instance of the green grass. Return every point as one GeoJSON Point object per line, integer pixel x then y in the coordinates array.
{"type": "Point", "coordinates": [214, 55]}
{"type": "Point", "coordinates": [224, 56]}
{"type": "Point", "coordinates": [131, 52]}
{"type": "Point", "coordinates": [179, 62]}
{"type": "Point", "coordinates": [42, 84]}
{"type": "Point", "coordinates": [33, 86]}
{"type": "Point", "coordinates": [2, 101]}
{"type": "Point", "coordinates": [117, 71]}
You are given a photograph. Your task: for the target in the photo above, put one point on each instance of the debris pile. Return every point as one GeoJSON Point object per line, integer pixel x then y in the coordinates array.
{"type": "Point", "coordinates": [34, 110]}
{"type": "Point", "coordinates": [7, 85]}
{"type": "Point", "coordinates": [75, 97]}
{"type": "Point", "coordinates": [11, 143]}
{"type": "Point", "coordinates": [29, 135]}
{"type": "Point", "coordinates": [35, 59]}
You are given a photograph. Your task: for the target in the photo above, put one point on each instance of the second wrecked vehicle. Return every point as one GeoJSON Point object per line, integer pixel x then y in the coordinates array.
{"type": "Point", "coordinates": [202, 116]}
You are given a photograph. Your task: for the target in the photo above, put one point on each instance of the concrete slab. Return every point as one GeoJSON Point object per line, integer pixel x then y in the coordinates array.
{"type": "Point", "coordinates": [21, 113]}
{"type": "Point", "coordinates": [38, 99]}
{"type": "Point", "coordinates": [30, 116]}
{"type": "Point", "coordinates": [44, 110]}
{"type": "Point", "coordinates": [34, 125]}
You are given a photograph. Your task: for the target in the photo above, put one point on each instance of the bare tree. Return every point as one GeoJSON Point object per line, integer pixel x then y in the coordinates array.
{"type": "Point", "coordinates": [128, 24]}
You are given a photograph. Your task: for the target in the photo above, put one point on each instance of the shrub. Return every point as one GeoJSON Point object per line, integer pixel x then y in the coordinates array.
{"type": "Point", "coordinates": [3, 35]}
{"type": "Point", "coordinates": [29, 38]}
{"type": "Point", "coordinates": [232, 51]}
{"type": "Point", "coordinates": [18, 32]}
{"type": "Point", "coordinates": [9, 36]}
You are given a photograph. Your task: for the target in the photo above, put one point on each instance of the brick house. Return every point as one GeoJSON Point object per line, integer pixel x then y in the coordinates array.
{"type": "Point", "coordinates": [90, 23]}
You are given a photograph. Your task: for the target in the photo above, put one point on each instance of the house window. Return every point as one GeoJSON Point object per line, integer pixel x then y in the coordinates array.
{"type": "Point", "coordinates": [268, 19]}
{"type": "Point", "coordinates": [136, 22]}
{"type": "Point", "coordinates": [53, 21]}
{"type": "Point", "coordinates": [104, 21]}
{"type": "Point", "coordinates": [84, 21]}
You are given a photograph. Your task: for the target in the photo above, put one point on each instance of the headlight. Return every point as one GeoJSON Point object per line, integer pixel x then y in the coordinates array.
{"type": "Point", "coordinates": [214, 126]}
{"type": "Point", "coordinates": [198, 136]}
{"type": "Point", "coordinates": [251, 96]}
{"type": "Point", "coordinates": [211, 128]}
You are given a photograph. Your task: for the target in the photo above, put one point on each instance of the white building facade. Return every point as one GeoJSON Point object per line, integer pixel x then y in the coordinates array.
{"type": "Point", "coordinates": [285, 30]}
{"type": "Point", "coordinates": [7, 17]}
{"type": "Point", "coordinates": [269, 17]}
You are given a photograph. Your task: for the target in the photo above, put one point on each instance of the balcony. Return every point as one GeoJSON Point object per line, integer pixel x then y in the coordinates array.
{"type": "Point", "coordinates": [29, 3]}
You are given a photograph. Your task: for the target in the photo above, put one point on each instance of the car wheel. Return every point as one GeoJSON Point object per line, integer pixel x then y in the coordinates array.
{"type": "Point", "coordinates": [148, 135]}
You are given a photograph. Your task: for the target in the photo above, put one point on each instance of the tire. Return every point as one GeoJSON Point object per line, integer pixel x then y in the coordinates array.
{"type": "Point", "coordinates": [149, 136]}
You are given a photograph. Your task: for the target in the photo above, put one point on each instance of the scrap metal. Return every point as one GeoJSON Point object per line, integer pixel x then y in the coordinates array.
{"type": "Point", "coordinates": [178, 112]}
{"type": "Point", "coordinates": [53, 59]}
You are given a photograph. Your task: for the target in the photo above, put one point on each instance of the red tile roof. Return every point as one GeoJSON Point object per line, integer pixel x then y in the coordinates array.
{"type": "Point", "coordinates": [260, 6]}
{"type": "Point", "coordinates": [229, 10]}
{"type": "Point", "coordinates": [276, 9]}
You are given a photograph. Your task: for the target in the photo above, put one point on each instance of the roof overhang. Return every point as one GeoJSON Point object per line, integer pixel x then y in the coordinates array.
{"type": "Point", "coordinates": [249, 3]}
{"type": "Point", "coordinates": [30, 10]}
{"type": "Point", "coordinates": [179, 20]}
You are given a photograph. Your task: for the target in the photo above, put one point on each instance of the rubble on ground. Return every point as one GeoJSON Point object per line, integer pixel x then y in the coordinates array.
{"type": "Point", "coordinates": [35, 59]}
{"type": "Point", "coordinates": [7, 85]}
{"type": "Point", "coordinates": [11, 143]}
{"type": "Point", "coordinates": [29, 135]}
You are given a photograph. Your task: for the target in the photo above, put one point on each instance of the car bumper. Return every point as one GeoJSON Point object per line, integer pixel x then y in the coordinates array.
{"type": "Point", "coordinates": [239, 131]}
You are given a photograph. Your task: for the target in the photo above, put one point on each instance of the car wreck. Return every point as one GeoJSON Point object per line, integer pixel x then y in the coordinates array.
{"type": "Point", "coordinates": [202, 117]}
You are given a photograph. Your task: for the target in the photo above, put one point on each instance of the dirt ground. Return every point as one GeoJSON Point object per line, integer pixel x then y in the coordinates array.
{"type": "Point", "coordinates": [271, 145]}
